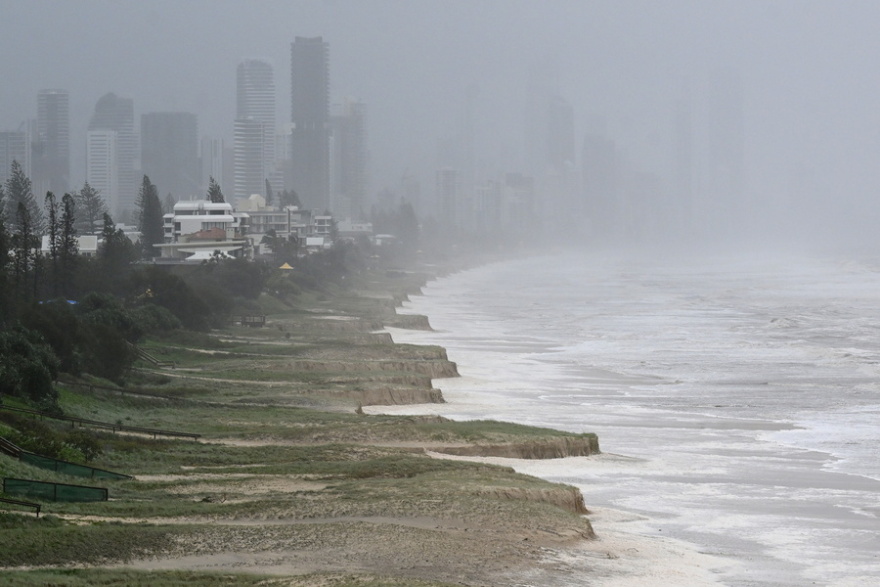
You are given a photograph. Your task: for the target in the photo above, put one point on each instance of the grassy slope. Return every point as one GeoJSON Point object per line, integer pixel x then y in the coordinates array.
{"type": "Point", "coordinates": [267, 454]}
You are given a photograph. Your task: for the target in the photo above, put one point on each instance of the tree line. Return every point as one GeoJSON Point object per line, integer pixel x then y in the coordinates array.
{"type": "Point", "coordinates": [63, 312]}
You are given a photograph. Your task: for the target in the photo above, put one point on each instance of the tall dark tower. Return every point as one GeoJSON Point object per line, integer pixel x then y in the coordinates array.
{"type": "Point", "coordinates": [170, 152]}
{"type": "Point", "coordinates": [349, 159]}
{"type": "Point", "coordinates": [51, 156]}
{"type": "Point", "coordinates": [310, 114]}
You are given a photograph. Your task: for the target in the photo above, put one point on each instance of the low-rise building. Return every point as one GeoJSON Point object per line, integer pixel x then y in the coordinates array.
{"type": "Point", "coordinates": [87, 245]}
{"type": "Point", "coordinates": [199, 229]}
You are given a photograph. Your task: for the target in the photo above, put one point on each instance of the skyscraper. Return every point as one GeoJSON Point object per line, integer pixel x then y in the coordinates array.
{"type": "Point", "coordinates": [255, 105]}
{"type": "Point", "coordinates": [170, 152]}
{"type": "Point", "coordinates": [559, 178]}
{"type": "Point", "coordinates": [447, 198]}
{"type": "Point", "coordinates": [248, 142]}
{"type": "Point", "coordinates": [348, 177]}
{"type": "Point", "coordinates": [213, 164]}
{"type": "Point", "coordinates": [726, 151]}
{"type": "Point", "coordinates": [683, 172]}
{"type": "Point", "coordinates": [51, 145]}
{"type": "Point", "coordinates": [602, 206]}
{"type": "Point", "coordinates": [102, 168]}
{"type": "Point", "coordinates": [13, 147]}
{"type": "Point", "coordinates": [310, 113]}
{"type": "Point", "coordinates": [115, 114]}
{"type": "Point", "coordinates": [550, 146]}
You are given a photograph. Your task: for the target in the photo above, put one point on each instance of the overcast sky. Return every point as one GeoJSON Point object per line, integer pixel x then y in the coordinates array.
{"type": "Point", "coordinates": [812, 93]}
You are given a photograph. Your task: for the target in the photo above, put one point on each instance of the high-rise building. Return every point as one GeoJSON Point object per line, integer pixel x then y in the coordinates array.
{"type": "Point", "coordinates": [13, 147]}
{"type": "Point", "coordinates": [602, 208]}
{"type": "Point", "coordinates": [51, 145]}
{"type": "Point", "coordinates": [116, 114]}
{"type": "Point", "coordinates": [309, 173]}
{"type": "Point", "coordinates": [550, 147]}
{"type": "Point", "coordinates": [683, 172]}
{"type": "Point", "coordinates": [170, 153]}
{"type": "Point", "coordinates": [726, 151]}
{"type": "Point", "coordinates": [103, 170]}
{"type": "Point", "coordinates": [348, 177]}
{"type": "Point", "coordinates": [255, 102]}
{"type": "Point", "coordinates": [250, 172]}
{"type": "Point", "coordinates": [211, 157]}
{"type": "Point", "coordinates": [447, 197]}
{"type": "Point", "coordinates": [559, 178]}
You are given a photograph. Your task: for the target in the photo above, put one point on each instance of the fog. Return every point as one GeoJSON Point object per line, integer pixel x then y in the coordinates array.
{"type": "Point", "coordinates": [777, 131]}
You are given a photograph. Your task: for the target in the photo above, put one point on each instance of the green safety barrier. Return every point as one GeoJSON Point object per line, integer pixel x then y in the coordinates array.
{"type": "Point", "coordinates": [69, 468]}
{"type": "Point", "coordinates": [54, 491]}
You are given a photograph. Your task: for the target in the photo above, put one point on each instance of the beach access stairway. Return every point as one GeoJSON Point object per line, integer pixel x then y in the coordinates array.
{"type": "Point", "coordinates": [144, 355]}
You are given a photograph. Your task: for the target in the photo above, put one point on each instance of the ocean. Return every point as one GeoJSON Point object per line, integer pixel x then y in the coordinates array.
{"type": "Point", "coordinates": [736, 402]}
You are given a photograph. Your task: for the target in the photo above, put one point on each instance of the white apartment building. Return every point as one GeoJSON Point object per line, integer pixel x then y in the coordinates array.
{"type": "Point", "coordinates": [102, 167]}
{"type": "Point", "coordinates": [199, 228]}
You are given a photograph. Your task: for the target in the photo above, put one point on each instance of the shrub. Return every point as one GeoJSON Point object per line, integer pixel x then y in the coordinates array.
{"type": "Point", "coordinates": [152, 318]}
{"type": "Point", "coordinates": [27, 366]}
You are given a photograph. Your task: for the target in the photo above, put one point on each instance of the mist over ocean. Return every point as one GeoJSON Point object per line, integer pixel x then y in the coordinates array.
{"type": "Point", "coordinates": [736, 400]}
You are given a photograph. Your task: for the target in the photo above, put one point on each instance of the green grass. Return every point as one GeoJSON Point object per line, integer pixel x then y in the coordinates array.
{"type": "Point", "coordinates": [48, 541]}
{"type": "Point", "coordinates": [121, 578]}
{"type": "Point", "coordinates": [291, 423]}
{"type": "Point", "coordinates": [130, 578]}
{"type": "Point", "coordinates": [310, 463]}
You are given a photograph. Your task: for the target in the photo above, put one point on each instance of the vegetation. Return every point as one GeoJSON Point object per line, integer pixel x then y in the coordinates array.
{"type": "Point", "coordinates": [149, 216]}
{"type": "Point", "coordinates": [19, 191]}
{"type": "Point", "coordinates": [27, 366]}
{"type": "Point", "coordinates": [285, 459]}
{"type": "Point", "coordinates": [215, 194]}
{"type": "Point", "coordinates": [90, 210]}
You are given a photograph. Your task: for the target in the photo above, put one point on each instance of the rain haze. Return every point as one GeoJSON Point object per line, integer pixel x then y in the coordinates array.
{"type": "Point", "coordinates": [733, 377]}
{"type": "Point", "coordinates": [760, 112]}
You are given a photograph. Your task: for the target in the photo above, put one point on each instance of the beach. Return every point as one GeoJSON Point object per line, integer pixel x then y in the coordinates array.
{"type": "Point", "coordinates": [736, 397]}
{"type": "Point", "coordinates": [733, 406]}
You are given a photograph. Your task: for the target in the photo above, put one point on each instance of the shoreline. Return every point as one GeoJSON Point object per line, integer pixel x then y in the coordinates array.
{"type": "Point", "coordinates": [306, 496]}
{"type": "Point", "coordinates": [622, 554]}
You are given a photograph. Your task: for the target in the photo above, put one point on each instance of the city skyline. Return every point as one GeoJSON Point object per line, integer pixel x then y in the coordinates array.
{"type": "Point", "coordinates": [460, 70]}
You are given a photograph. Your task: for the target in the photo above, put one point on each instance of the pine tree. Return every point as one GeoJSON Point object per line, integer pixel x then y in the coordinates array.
{"type": "Point", "coordinates": [5, 305]}
{"type": "Point", "coordinates": [68, 245]}
{"type": "Point", "coordinates": [269, 194]}
{"type": "Point", "coordinates": [150, 221]}
{"type": "Point", "coordinates": [24, 245]}
{"type": "Point", "coordinates": [53, 232]}
{"type": "Point", "coordinates": [214, 193]}
{"type": "Point", "coordinates": [20, 191]}
{"type": "Point", "coordinates": [116, 253]}
{"type": "Point", "coordinates": [168, 203]}
{"type": "Point", "coordinates": [90, 208]}
{"type": "Point", "coordinates": [289, 198]}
